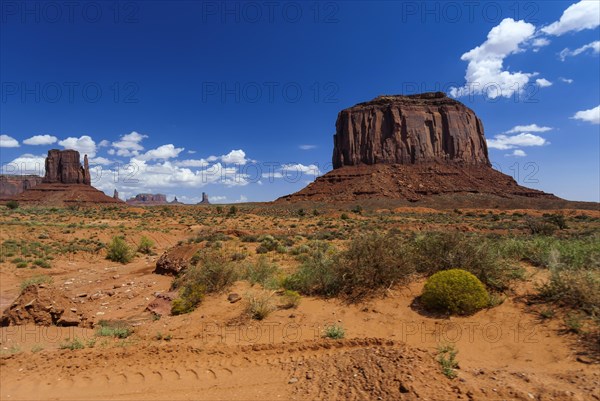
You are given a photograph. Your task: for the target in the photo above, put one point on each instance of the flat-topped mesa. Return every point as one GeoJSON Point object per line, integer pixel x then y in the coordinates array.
{"type": "Point", "coordinates": [413, 129]}
{"type": "Point", "coordinates": [64, 167]}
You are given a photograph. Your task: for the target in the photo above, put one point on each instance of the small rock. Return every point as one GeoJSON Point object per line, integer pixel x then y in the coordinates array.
{"type": "Point", "coordinates": [585, 359]}
{"type": "Point", "coordinates": [234, 297]}
{"type": "Point", "coordinates": [82, 295]}
{"type": "Point", "coordinates": [293, 380]}
{"type": "Point", "coordinates": [73, 309]}
{"type": "Point", "coordinates": [116, 276]}
{"type": "Point", "coordinates": [309, 375]}
{"type": "Point", "coordinates": [110, 293]}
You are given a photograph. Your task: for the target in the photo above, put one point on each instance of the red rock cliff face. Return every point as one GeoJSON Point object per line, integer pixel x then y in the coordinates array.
{"type": "Point", "coordinates": [427, 127]}
{"type": "Point", "coordinates": [64, 166]}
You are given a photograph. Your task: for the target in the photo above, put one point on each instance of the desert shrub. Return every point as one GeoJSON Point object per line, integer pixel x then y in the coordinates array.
{"type": "Point", "coordinates": [191, 294]}
{"type": "Point", "coordinates": [116, 329]}
{"type": "Point", "coordinates": [267, 244]}
{"type": "Point", "coordinates": [233, 210]}
{"type": "Point", "coordinates": [316, 275]}
{"type": "Point", "coordinates": [447, 360]}
{"type": "Point", "coordinates": [436, 251]}
{"type": "Point", "coordinates": [334, 331]}
{"type": "Point", "coordinates": [35, 280]}
{"type": "Point", "coordinates": [42, 263]}
{"type": "Point", "coordinates": [454, 291]}
{"type": "Point", "coordinates": [145, 246]}
{"type": "Point", "coordinates": [73, 344]}
{"type": "Point", "coordinates": [214, 271]}
{"type": "Point", "coordinates": [372, 262]}
{"type": "Point", "coordinates": [261, 271]}
{"type": "Point", "coordinates": [539, 226]}
{"type": "Point", "coordinates": [578, 289]}
{"type": "Point", "coordinates": [259, 305]}
{"type": "Point", "coordinates": [12, 204]}
{"type": "Point", "coordinates": [557, 219]}
{"type": "Point", "coordinates": [290, 299]}
{"type": "Point", "coordinates": [119, 251]}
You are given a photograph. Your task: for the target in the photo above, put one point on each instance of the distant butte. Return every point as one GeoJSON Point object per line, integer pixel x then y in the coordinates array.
{"type": "Point", "coordinates": [66, 182]}
{"type": "Point", "coordinates": [410, 147]}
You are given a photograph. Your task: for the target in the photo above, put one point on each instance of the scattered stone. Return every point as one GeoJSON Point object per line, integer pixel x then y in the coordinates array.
{"type": "Point", "coordinates": [82, 295]}
{"type": "Point", "coordinates": [234, 297]}
{"type": "Point", "coordinates": [585, 359]}
{"type": "Point", "coordinates": [293, 380]}
{"type": "Point", "coordinates": [309, 375]}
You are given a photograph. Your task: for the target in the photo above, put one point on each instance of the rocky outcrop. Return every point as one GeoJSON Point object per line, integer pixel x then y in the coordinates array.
{"type": "Point", "coordinates": [11, 185]}
{"type": "Point", "coordinates": [43, 306]}
{"type": "Point", "coordinates": [409, 130]}
{"type": "Point", "coordinates": [64, 167]}
{"type": "Point", "coordinates": [176, 259]}
{"type": "Point", "coordinates": [116, 194]}
{"type": "Point", "coordinates": [148, 199]}
{"type": "Point", "coordinates": [204, 200]}
{"type": "Point", "coordinates": [411, 148]}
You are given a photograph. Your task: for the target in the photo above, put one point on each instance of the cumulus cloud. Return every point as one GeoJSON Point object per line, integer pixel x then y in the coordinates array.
{"type": "Point", "coordinates": [504, 142]}
{"type": "Point", "coordinates": [100, 160]}
{"type": "Point", "coordinates": [192, 163]}
{"type": "Point", "coordinates": [577, 17]}
{"type": "Point", "coordinates": [103, 143]}
{"type": "Point", "coordinates": [8, 142]}
{"type": "Point", "coordinates": [40, 140]}
{"type": "Point", "coordinates": [527, 128]}
{"type": "Point", "coordinates": [235, 157]}
{"type": "Point", "coordinates": [307, 147]}
{"type": "Point", "coordinates": [84, 144]}
{"type": "Point", "coordinates": [539, 42]}
{"type": "Point", "coordinates": [485, 70]}
{"type": "Point", "coordinates": [517, 153]}
{"type": "Point", "coordinates": [590, 116]}
{"type": "Point", "coordinates": [162, 152]}
{"type": "Point", "coordinates": [129, 144]}
{"type": "Point", "coordinates": [25, 164]}
{"type": "Point", "coordinates": [593, 46]}
{"type": "Point", "coordinates": [311, 169]}
{"type": "Point", "coordinates": [543, 82]}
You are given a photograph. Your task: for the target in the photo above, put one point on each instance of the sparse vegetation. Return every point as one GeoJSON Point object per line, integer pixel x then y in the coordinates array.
{"type": "Point", "coordinates": [260, 304]}
{"type": "Point", "coordinates": [261, 271]}
{"type": "Point", "coordinates": [334, 331]}
{"type": "Point", "coordinates": [290, 299]}
{"type": "Point", "coordinates": [145, 246]}
{"type": "Point", "coordinates": [36, 280]}
{"type": "Point", "coordinates": [447, 359]}
{"type": "Point", "coordinates": [119, 251]}
{"type": "Point", "coordinates": [12, 204]}
{"type": "Point", "coordinates": [113, 329]}
{"type": "Point", "coordinates": [72, 344]}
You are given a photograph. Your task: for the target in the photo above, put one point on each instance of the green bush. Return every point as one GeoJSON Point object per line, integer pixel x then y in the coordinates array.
{"type": "Point", "coordinates": [145, 246]}
{"type": "Point", "coordinates": [371, 263]}
{"type": "Point", "coordinates": [578, 289]}
{"type": "Point", "coordinates": [12, 204]}
{"type": "Point", "coordinates": [334, 331]}
{"type": "Point", "coordinates": [316, 275]}
{"type": "Point", "coordinates": [290, 299]}
{"type": "Point", "coordinates": [114, 329]}
{"type": "Point", "coordinates": [267, 244]}
{"type": "Point", "coordinates": [74, 344]}
{"type": "Point", "coordinates": [119, 251]}
{"type": "Point", "coordinates": [261, 271]}
{"type": "Point", "coordinates": [435, 251]}
{"type": "Point", "coordinates": [35, 280]}
{"type": "Point", "coordinates": [454, 291]}
{"type": "Point", "coordinates": [259, 305]}
{"type": "Point", "coordinates": [214, 272]}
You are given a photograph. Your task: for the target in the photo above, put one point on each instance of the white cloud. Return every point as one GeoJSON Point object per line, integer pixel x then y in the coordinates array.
{"type": "Point", "coordinates": [311, 169]}
{"type": "Point", "coordinates": [590, 116]}
{"type": "Point", "coordinates": [217, 199]}
{"type": "Point", "coordinates": [25, 164]}
{"type": "Point", "coordinates": [192, 163]}
{"type": "Point", "coordinates": [307, 147]}
{"type": "Point", "coordinates": [40, 140]}
{"type": "Point", "coordinates": [8, 142]}
{"type": "Point", "coordinates": [485, 71]}
{"type": "Point", "coordinates": [540, 42]}
{"type": "Point", "coordinates": [505, 142]}
{"type": "Point", "coordinates": [577, 17]}
{"type": "Point", "coordinates": [129, 144]}
{"type": "Point", "coordinates": [566, 80]}
{"type": "Point", "coordinates": [100, 160]}
{"type": "Point", "coordinates": [234, 157]}
{"type": "Point", "coordinates": [517, 153]}
{"type": "Point", "coordinates": [593, 46]}
{"type": "Point", "coordinates": [84, 144]}
{"type": "Point", "coordinates": [543, 82]}
{"type": "Point", "coordinates": [162, 152]}
{"type": "Point", "coordinates": [191, 152]}
{"type": "Point", "coordinates": [104, 143]}
{"type": "Point", "coordinates": [527, 128]}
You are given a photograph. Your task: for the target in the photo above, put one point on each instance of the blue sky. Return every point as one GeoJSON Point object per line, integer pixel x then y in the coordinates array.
{"type": "Point", "coordinates": [239, 100]}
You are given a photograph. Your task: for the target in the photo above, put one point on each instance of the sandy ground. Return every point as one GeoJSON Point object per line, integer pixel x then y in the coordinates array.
{"type": "Point", "coordinates": [217, 353]}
